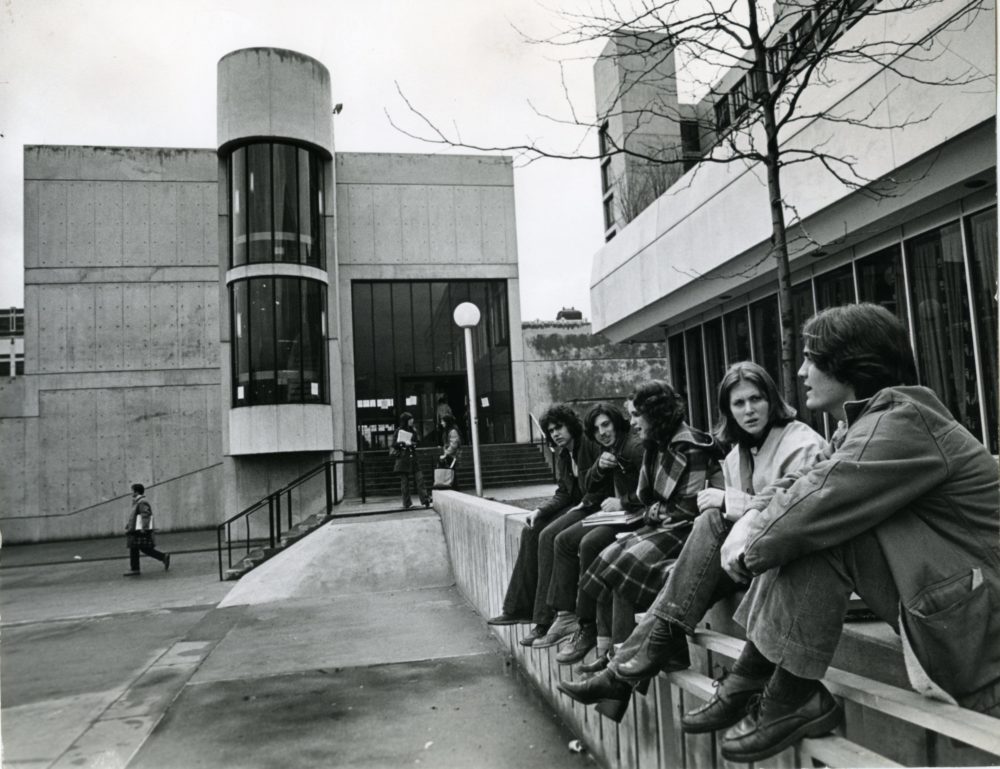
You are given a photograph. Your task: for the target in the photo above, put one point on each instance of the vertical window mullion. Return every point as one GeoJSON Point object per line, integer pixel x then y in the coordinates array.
{"type": "Point", "coordinates": [974, 327]}
{"type": "Point", "coordinates": [704, 377]}
{"type": "Point", "coordinates": [908, 291]}
{"type": "Point", "coordinates": [687, 370]}
{"type": "Point", "coordinates": [753, 344]}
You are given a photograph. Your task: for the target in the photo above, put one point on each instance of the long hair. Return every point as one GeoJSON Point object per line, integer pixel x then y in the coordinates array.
{"type": "Point", "coordinates": [779, 412]}
{"type": "Point", "coordinates": [447, 422]}
{"type": "Point", "coordinates": [404, 418]}
{"type": "Point", "coordinates": [662, 406]}
{"type": "Point", "coordinates": [863, 345]}
{"type": "Point", "coordinates": [618, 420]}
{"type": "Point", "coordinates": [561, 414]}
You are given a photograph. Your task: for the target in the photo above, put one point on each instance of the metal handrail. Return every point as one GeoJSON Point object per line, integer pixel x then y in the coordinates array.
{"type": "Point", "coordinates": [273, 503]}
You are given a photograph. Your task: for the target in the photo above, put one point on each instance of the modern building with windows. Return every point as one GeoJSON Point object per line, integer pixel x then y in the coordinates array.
{"type": "Point", "coordinates": [215, 322]}
{"type": "Point", "coordinates": [692, 266]}
{"type": "Point", "coordinates": [12, 342]}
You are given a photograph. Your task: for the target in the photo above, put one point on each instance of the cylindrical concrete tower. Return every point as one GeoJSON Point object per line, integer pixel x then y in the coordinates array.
{"type": "Point", "coordinates": [275, 136]}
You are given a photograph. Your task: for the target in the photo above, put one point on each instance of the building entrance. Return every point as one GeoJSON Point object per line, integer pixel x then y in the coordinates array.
{"type": "Point", "coordinates": [421, 396]}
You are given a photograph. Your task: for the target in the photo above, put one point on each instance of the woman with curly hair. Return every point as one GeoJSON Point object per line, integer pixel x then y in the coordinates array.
{"type": "Point", "coordinates": [679, 462]}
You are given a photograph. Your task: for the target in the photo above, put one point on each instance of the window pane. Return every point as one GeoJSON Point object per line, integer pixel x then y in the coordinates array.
{"type": "Point", "coordinates": [259, 202]}
{"type": "Point", "coordinates": [364, 341]}
{"type": "Point", "coordinates": [423, 340]}
{"type": "Point", "coordinates": [715, 363]}
{"type": "Point", "coordinates": [307, 253]}
{"type": "Point", "coordinates": [285, 204]}
{"type": "Point", "coordinates": [835, 288]}
{"type": "Point", "coordinates": [313, 342]}
{"type": "Point", "coordinates": [288, 332]}
{"type": "Point", "coordinates": [237, 205]}
{"type": "Point", "coordinates": [982, 239]}
{"type": "Point", "coordinates": [317, 256]}
{"type": "Point", "coordinates": [943, 327]}
{"type": "Point", "coordinates": [737, 325]}
{"type": "Point", "coordinates": [402, 327]}
{"type": "Point", "coordinates": [261, 315]}
{"type": "Point", "coordinates": [385, 385]}
{"type": "Point", "coordinates": [444, 329]}
{"type": "Point", "coordinates": [678, 370]}
{"type": "Point", "coordinates": [241, 344]}
{"type": "Point", "coordinates": [766, 328]}
{"type": "Point", "coordinates": [880, 280]}
{"type": "Point", "coordinates": [696, 386]}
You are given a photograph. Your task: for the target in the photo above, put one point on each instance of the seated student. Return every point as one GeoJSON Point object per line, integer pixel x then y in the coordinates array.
{"type": "Point", "coordinates": [678, 463]}
{"type": "Point", "coordinates": [904, 513]}
{"type": "Point", "coordinates": [614, 484]}
{"type": "Point", "coordinates": [525, 600]}
{"type": "Point", "coordinates": [767, 445]}
{"type": "Point", "coordinates": [614, 477]}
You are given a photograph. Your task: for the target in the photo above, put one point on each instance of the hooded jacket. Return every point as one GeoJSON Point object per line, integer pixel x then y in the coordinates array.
{"type": "Point", "coordinates": [929, 491]}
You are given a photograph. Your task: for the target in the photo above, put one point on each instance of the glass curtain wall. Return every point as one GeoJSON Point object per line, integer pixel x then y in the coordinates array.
{"type": "Point", "coordinates": [279, 341]}
{"type": "Point", "coordinates": [945, 292]}
{"type": "Point", "coordinates": [276, 205]}
{"type": "Point", "coordinates": [409, 356]}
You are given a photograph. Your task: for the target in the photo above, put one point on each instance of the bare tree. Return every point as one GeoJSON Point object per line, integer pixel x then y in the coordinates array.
{"type": "Point", "coordinates": [755, 64]}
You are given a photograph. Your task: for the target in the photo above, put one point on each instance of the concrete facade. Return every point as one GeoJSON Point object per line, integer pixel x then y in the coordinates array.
{"type": "Point", "coordinates": [128, 279]}
{"type": "Point", "coordinates": [713, 226]}
{"type": "Point", "coordinates": [566, 362]}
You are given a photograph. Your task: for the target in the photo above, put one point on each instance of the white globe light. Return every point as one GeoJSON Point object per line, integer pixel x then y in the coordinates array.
{"type": "Point", "coordinates": [466, 315]}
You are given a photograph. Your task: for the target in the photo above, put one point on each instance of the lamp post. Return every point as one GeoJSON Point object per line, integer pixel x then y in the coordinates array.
{"type": "Point", "coordinates": [467, 316]}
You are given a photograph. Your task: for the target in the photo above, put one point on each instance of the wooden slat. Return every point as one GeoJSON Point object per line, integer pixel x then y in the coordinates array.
{"type": "Point", "coordinates": [835, 751]}
{"type": "Point", "coordinates": [975, 729]}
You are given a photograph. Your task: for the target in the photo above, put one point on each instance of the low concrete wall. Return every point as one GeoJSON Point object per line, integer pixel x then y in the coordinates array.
{"type": "Point", "coordinates": [885, 722]}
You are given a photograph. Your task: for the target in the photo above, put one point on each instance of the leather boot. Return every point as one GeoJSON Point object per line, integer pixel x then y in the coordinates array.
{"type": "Point", "coordinates": [600, 662]}
{"type": "Point", "coordinates": [728, 705]}
{"type": "Point", "coordinates": [773, 725]}
{"type": "Point", "coordinates": [603, 686]}
{"type": "Point", "coordinates": [664, 649]}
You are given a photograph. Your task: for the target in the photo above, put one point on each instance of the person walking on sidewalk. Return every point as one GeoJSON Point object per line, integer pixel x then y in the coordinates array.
{"type": "Point", "coordinates": [139, 533]}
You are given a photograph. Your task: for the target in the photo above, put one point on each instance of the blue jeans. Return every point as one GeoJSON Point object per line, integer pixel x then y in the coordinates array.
{"type": "Point", "coordinates": [794, 613]}
{"type": "Point", "coordinates": [696, 582]}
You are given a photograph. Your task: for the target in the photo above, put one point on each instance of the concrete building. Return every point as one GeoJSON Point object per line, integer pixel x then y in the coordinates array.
{"type": "Point", "coordinates": [214, 322]}
{"type": "Point", "coordinates": [691, 266]}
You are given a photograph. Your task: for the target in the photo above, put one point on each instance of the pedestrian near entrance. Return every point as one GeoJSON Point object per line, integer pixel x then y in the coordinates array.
{"type": "Point", "coordinates": [139, 533]}
{"type": "Point", "coordinates": [407, 465]}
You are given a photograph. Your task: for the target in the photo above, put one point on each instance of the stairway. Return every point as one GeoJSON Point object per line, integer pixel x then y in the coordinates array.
{"type": "Point", "coordinates": [502, 464]}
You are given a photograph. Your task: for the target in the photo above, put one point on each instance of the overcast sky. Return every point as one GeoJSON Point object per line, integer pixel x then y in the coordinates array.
{"type": "Point", "coordinates": [142, 73]}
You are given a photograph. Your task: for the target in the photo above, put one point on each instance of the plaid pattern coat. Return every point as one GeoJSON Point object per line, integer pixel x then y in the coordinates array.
{"type": "Point", "coordinates": [636, 566]}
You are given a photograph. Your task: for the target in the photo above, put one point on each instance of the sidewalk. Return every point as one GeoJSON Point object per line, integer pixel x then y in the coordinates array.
{"type": "Point", "coordinates": [150, 673]}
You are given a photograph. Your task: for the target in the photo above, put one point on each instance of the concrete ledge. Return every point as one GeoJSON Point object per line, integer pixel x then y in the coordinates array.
{"type": "Point", "coordinates": [482, 538]}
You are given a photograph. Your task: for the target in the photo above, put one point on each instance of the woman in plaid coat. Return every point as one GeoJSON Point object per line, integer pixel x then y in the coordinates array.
{"type": "Point", "coordinates": [679, 461]}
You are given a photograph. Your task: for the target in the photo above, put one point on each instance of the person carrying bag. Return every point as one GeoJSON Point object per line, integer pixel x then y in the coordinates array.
{"type": "Point", "coordinates": [451, 449]}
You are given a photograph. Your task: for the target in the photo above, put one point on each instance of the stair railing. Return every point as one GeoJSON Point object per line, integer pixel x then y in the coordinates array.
{"type": "Point", "coordinates": [280, 506]}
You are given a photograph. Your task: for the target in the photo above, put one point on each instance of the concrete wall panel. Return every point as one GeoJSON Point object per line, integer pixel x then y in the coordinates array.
{"type": "Point", "coordinates": [442, 217]}
{"type": "Point", "coordinates": [469, 235]}
{"type": "Point", "coordinates": [163, 322]}
{"type": "Point", "coordinates": [415, 225]}
{"type": "Point", "coordinates": [81, 330]}
{"type": "Point", "coordinates": [495, 201]}
{"type": "Point", "coordinates": [80, 221]}
{"type": "Point", "coordinates": [136, 224]}
{"type": "Point", "coordinates": [387, 223]}
{"type": "Point", "coordinates": [109, 341]}
{"type": "Point", "coordinates": [163, 224]}
{"type": "Point", "coordinates": [52, 225]}
{"type": "Point", "coordinates": [138, 329]}
{"type": "Point", "coordinates": [52, 347]}
{"type": "Point", "coordinates": [109, 214]}
{"type": "Point", "coordinates": [356, 223]}
{"type": "Point", "coordinates": [32, 209]}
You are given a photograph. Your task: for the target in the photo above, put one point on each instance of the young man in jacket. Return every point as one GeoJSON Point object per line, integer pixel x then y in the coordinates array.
{"type": "Point", "coordinates": [904, 512]}
{"type": "Point", "coordinates": [139, 533]}
{"type": "Point", "coordinates": [525, 600]}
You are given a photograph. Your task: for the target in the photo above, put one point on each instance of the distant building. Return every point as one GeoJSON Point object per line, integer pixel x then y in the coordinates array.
{"type": "Point", "coordinates": [690, 266]}
{"type": "Point", "coordinates": [12, 342]}
{"type": "Point", "coordinates": [214, 322]}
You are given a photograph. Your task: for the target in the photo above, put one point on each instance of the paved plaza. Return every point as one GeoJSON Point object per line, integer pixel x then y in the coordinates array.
{"type": "Point", "coordinates": [100, 671]}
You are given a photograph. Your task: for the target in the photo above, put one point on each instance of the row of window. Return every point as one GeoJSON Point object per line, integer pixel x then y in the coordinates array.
{"type": "Point", "coordinates": [813, 29]}
{"type": "Point", "coordinates": [276, 205]}
{"type": "Point", "coordinates": [11, 322]}
{"type": "Point", "coordinates": [929, 281]}
{"type": "Point", "coordinates": [278, 341]}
